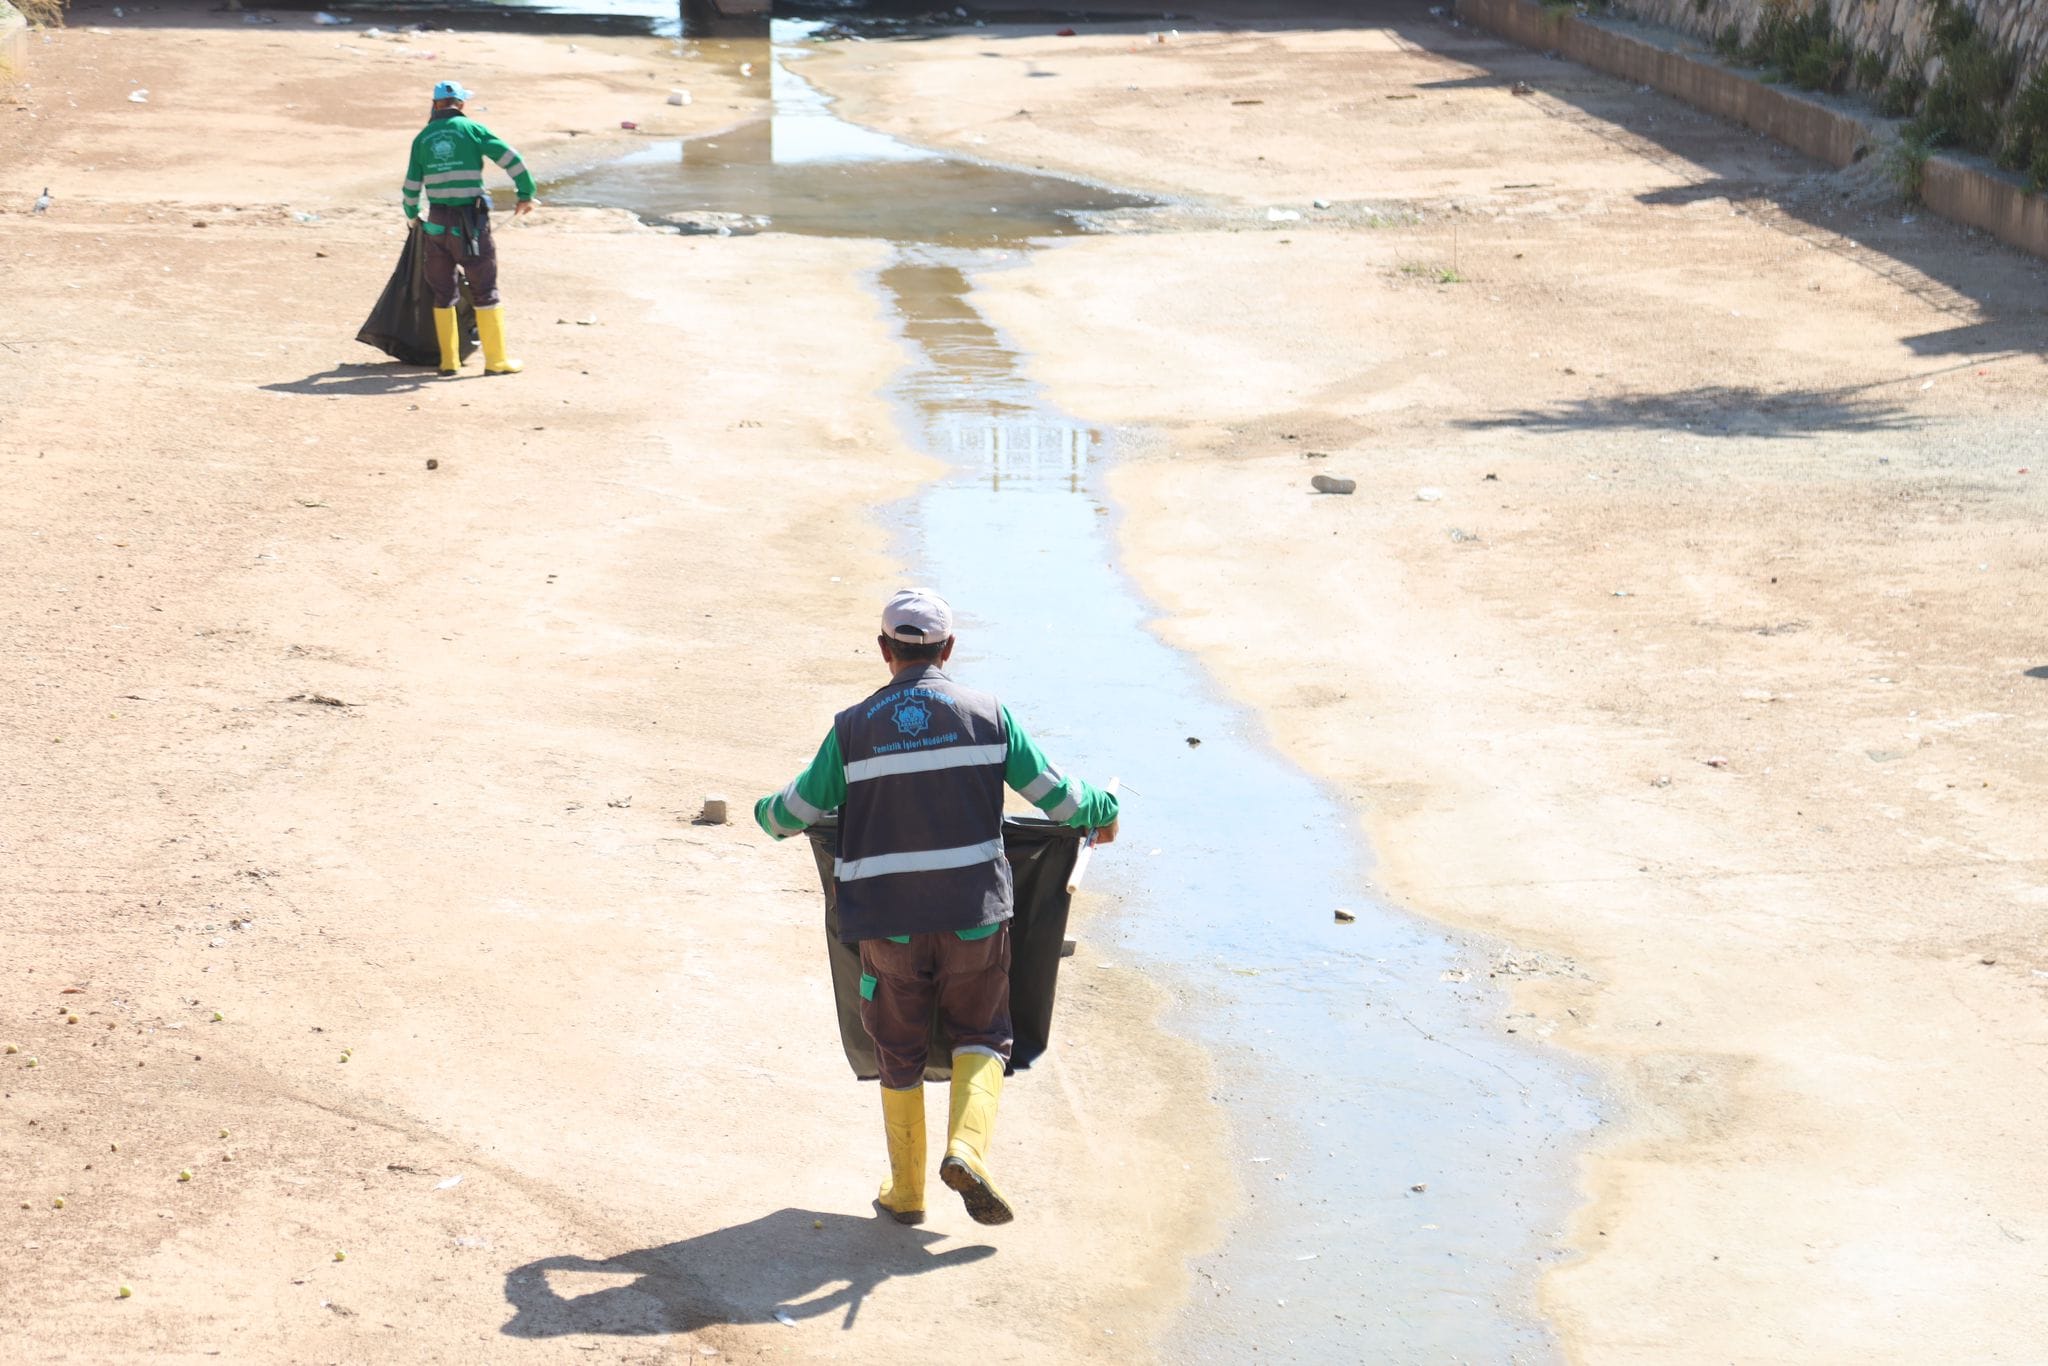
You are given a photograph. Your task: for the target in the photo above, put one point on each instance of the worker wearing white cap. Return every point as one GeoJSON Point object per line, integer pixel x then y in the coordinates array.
{"type": "Point", "coordinates": [447, 167]}
{"type": "Point", "coordinates": [916, 772]}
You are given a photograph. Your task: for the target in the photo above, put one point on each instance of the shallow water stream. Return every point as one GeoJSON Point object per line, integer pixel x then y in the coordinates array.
{"type": "Point", "coordinates": [1406, 1163]}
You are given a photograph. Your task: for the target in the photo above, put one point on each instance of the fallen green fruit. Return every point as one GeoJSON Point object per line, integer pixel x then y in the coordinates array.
{"type": "Point", "coordinates": [123, 1293]}
{"type": "Point", "coordinates": [184, 1176]}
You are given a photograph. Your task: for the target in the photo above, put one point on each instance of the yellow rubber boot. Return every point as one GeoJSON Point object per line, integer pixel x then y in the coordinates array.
{"type": "Point", "coordinates": [902, 1197]}
{"type": "Point", "coordinates": [977, 1087]}
{"type": "Point", "coordinates": [490, 330]}
{"type": "Point", "coordinates": [451, 346]}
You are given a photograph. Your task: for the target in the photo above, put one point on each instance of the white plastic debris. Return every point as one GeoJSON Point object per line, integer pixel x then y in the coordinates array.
{"type": "Point", "coordinates": [1283, 215]}
{"type": "Point", "coordinates": [678, 97]}
{"type": "Point", "coordinates": [138, 97]}
{"type": "Point", "coordinates": [330, 20]}
{"type": "Point", "coordinates": [450, 1183]}
{"type": "Point", "coordinates": [783, 1317]}
{"type": "Point", "coordinates": [1429, 495]}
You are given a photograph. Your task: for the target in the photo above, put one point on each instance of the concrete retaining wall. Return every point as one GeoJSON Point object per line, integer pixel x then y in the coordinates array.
{"type": "Point", "coordinates": [1820, 130]}
{"type": "Point", "coordinates": [1966, 192]}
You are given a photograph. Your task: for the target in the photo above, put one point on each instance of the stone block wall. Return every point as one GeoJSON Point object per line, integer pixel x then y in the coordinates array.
{"type": "Point", "coordinates": [1895, 30]}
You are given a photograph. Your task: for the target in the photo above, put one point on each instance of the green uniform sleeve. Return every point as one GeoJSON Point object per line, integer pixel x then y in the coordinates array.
{"type": "Point", "coordinates": [1067, 800]}
{"type": "Point", "coordinates": [498, 150]}
{"type": "Point", "coordinates": [819, 789]}
{"type": "Point", "coordinates": [410, 192]}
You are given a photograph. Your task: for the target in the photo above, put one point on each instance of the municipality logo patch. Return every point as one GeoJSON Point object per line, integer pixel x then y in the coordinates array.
{"type": "Point", "coordinates": [444, 148]}
{"type": "Point", "coordinates": [912, 718]}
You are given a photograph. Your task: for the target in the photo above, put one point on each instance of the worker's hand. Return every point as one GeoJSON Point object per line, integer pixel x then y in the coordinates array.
{"type": "Point", "coordinates": [524, 207]}
{"type": "Point", "coordinates": [1106, 834]}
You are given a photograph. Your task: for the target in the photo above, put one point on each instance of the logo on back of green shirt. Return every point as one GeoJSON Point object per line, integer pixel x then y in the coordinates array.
{"type": "Point", "coordinates": [443, 148]}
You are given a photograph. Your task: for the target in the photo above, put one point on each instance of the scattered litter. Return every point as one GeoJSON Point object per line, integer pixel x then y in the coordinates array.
{"type": "Point", "coordinates": [1344, 917]}
{"type": "Point", "coordinates": [123, 1293]}
{"type": "Point", "coordinates": [714, 810]}
{"type": "Point", "coordinates": [590, 321]}
{"type": "Point", "coordinates": [1262, 1159]}
{"type": "Point", "coordinates": [450, 1183]}
{"type": "Point", "coordinates": [1321, 203]}
{"type": "Point", "coordinates": [1716, 762]}
{"type": "Point", "coordinates": [1283, 215]}
{"type": "Point", "coordinates": [318, 699]}
{"type": "Point", "coordinates": [1307, 1257]}
{"type": "Point", "coordinates": [746, 68]}
{"type": "Point", "coordinates": [432, 463]}
{"type": "Point", "coordinates": [325, 19]}
{"type": "Point", "coordinates": [1064, 33]}
{"type": "Point", "coordinates": [1194, 742]}
{"type": "Point", "coordinates": [1459, 536]}
{"type": "Point", "coordinates": [1428, 495]}
{"type": "Point", "coordinates": [1924, 384]}
{"type": "Point", "coordinates": [1521, 88]}
{"type": "Point", "coordinates": [783, 1317]}
{"type": "Point", "coordinates": [1419, 1187]}
{"type": "Point", "coordinates": [629, 125]}
{"type": "Point", "coordinates": [1323, 483]}
{"type": "Point", "coordinates": [678, 97]}
{"type": "Point", "coordinates": [142, 97]}
{"type": "Point", "coordinates": [1621, 592]}
{"type": "Point", "coordinates": [1661, 780]}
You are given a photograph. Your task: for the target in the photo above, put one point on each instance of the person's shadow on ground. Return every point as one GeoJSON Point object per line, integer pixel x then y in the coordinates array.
{"type": "Point", "coordinates": [796, 1262]}
{"type": "Point", "coordinates": [366, 380]}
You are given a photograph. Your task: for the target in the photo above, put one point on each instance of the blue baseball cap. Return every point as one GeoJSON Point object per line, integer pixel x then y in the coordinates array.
{"type": "Point", "coordinates": [452, 90]}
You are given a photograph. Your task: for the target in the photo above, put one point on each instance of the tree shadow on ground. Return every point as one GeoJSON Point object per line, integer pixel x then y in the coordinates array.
{"type": "Point", "coordinates": [797, 1262]}
{"type": "Point", "coordinates": [366, 380]}
{"type": "Point", "coordinates": [1715, 410]}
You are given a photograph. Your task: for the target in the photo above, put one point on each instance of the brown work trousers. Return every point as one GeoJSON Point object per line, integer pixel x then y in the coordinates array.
{"type": "Point", "coordinates": [451, 249]}
{"type": "Point", "coordinates": [969, 981]}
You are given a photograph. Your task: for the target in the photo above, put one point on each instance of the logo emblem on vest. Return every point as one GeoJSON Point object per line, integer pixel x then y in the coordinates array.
{"type": "Point", "coordinates": [912, 718]}
{"type": "Point", "coordinates": [443, 148]}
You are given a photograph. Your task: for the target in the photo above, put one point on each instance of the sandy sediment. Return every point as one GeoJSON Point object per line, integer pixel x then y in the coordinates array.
{"type": "Point", "coordinates": [393, 770]}
{"type": "Point", "coordinates": [1681, 630]}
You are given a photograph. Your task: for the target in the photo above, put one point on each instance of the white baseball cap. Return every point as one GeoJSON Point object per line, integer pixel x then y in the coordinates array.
{"type": "Point", "coordinates": [917, 616]}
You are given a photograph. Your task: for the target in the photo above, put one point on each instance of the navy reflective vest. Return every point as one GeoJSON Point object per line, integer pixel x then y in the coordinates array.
{"type": "Point", "coordinates": [921, 831]}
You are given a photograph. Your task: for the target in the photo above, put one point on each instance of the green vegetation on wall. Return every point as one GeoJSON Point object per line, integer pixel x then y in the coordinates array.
{"type": "Point", "coordinates": [1800, 47]}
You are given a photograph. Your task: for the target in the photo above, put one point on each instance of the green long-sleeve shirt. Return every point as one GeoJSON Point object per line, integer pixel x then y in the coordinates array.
{"type": "Point", "coordinates": [448, 163]}
{"type": "Point", "coordinates": [821, 788]}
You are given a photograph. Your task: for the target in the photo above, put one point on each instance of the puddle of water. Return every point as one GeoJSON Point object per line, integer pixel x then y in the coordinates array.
{"type": "Point", "coordinates": [1351, 1070]}
{"type": "Point", "coordinates": [800, 169]}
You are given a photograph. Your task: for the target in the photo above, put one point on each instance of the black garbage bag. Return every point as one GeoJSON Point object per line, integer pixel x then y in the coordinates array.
{"type": "Point", "coordinates": [1041, 854]}
{"type": "Point", "coordinates": [402, 323]}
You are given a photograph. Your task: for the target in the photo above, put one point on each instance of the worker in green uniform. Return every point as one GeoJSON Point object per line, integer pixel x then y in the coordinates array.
{"type": "Point", "coordinates": [917, 772]}
{"type": "Point", "coordinates": [447, 167]}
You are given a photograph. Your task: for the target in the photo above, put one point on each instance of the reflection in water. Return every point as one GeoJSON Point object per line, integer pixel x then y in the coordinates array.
{"type": "Point", "coordinates": [976, 409]}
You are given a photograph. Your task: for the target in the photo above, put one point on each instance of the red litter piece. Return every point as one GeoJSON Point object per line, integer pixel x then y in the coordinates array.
{"type": "Point", "coordinates": [1064, 33]}
{"type": "Point", "coordinates": [629, 125]}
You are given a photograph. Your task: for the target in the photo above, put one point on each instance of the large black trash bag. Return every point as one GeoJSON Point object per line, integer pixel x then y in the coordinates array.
{"type": "Point", "coordinates": [1041, 855]}
{"type": "Point", "coordinates": [402, 323]}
